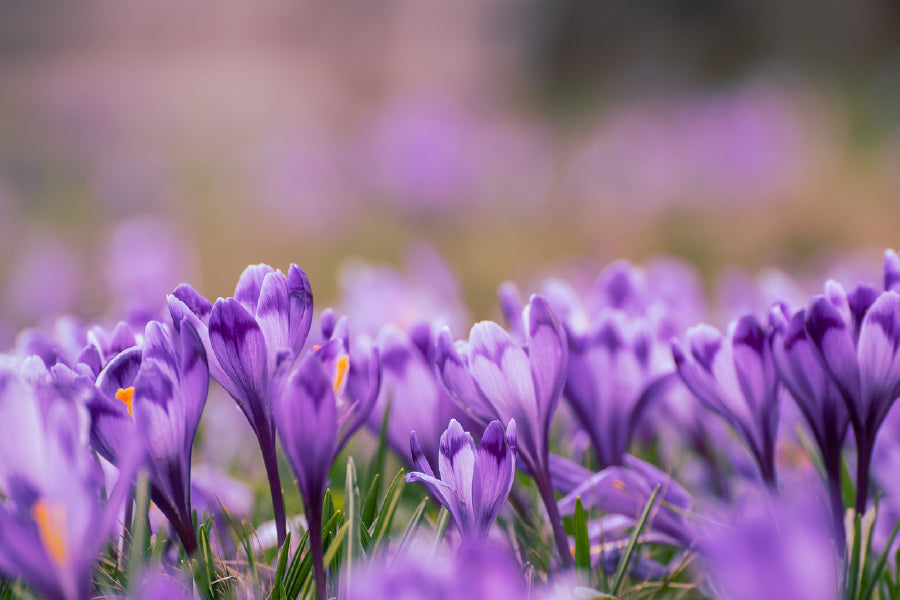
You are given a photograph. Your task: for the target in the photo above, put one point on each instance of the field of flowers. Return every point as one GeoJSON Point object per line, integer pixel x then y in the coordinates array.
{"type": "Point", "coordinates": [599, 443]}
{"type": "Point", "coordinates": [568, 299]}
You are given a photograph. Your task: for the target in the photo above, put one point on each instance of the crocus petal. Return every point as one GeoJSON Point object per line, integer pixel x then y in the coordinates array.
{"type": "Point", "coordinates": [455, 372]}
{"type": "Point", "coordinates": [306, 418]}
{"type": "Point", "coordinates": [249, 285]}
{"type": "Point", "coordinates": [834, 346]}
{"type": "Point", "coordinates": [240, 347]}
{"type": "Point", "coordinates": [891, 271]}
{"type": "Point", "coordinates": [159, 347]}
{"type": "Point", "coordinates": [192, 301]}
{"type": "Point", "coordinates": [511, 305]}
{"type": "Point", "coordinates": [548, 354]}
{"type": "Point", "coordinates": [273, 315]}
{"type": "Point", "coordinates": [495, 467]}
{"type": "Point", "coordinates": [194, 380]}
{"type": "Point", "coordinates": [752, 363]}
{"type": "Point", "coordinates": [456, 463]}
{"type": "Point", "coordinates": [879, 360]}
{"type": "Point", "coordinates": [503, 373]}
{"type": "Point", "coordinates": [158, 412]}
{"type": "Point", "coordinates": [301, 307]}
{"type": "Point", "coordinates": [120, 372]}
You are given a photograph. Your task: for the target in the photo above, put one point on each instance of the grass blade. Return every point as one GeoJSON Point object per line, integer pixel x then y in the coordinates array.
{"type": "Point", "coordinates": [354, 541]}
{"type": "Point", "coordinates": [278, 584]}
{"type": "Point", "coordinates": [388, 508]}
{"type": "Point", "coordinates": [582, 543]}
{"type": "Point", "coordinates": [622, 567]}
{"type": "Point", "coordinates": [413, 524]}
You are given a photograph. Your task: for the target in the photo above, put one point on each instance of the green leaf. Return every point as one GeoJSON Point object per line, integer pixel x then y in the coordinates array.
{"type": "Point", "coordinates": [412, 525]}
{"type": "Point", "coordinates": [295, 577]}
{"type": "Point", "coordinates": [381, 454]}
{"type": "Point", "coordinates": [354, 542]}
{"type": "Point", "coordinates": [335, 544]}
{"type": "Point", "coordinates": [370, 507]}
{"type": "Point", "coordinates": [388, 508]}
{"type": "Point", "coordinates": [622, 567]}
{"type": "Point", "coordinates": [439, 529]}
{"type": "Point", "coordinates": [582, 542]}
{"type": "Point", "coordinates": [851, 574]}
{"type": "Point", "coordinates": [875, 575]}
{"type": "Point", "coordinates": [278, 584]}
{"type": "Point", "coordinates": [140, 540]}
{"type": "Point", "coordinates": [848, 490]}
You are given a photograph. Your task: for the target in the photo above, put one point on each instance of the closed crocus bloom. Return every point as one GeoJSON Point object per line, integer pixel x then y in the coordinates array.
{"type": "Point", "coordinates": [473, 484]}
{"type": "Point", "coordinates": [53, 524]}
{"type": "Point", "coordinates": [156, 393]}
{"type": "Point", "coordinates": [817, 397]}
{"type": "Point", "coordinates": [735, 378]}
{"type": "Point", "coordinates": [418, 399]}
{"type": "Point", "coordinates": [615, 372]}
{"type": "Point", "coordinates": [856, 337]}
{"type": "Point", "coordinates": [318, 406]}
{"type": "Point", "coordinates": [495, 377]}
{"type": "Point", "coordinates": [247, 337]}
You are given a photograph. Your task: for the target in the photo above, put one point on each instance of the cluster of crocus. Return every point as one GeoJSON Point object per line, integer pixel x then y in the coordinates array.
{"type": "Point", "coordinates": [464, 414]}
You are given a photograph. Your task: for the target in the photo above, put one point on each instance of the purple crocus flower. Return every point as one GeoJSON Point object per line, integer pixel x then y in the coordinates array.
{"type": "Point", "coordinates": [772, 547]}
{"type": "Point", "coordinates": [613, 376]}
{"type": "Point", "coordinates": [495, 377]}
{"type": "Point", "coordinates": [625, 490]}
{"type": "Point", "coordinates": [53, 523]}
{"type": "Point", "coordinates": [478, 571]}
{"type": "Point", "coordinates": [317, 406]}
{"type": "Point", "coordinates": [473, 484]}
{"type": "Point", "coordinates": [856, 337]}
{"type": "Point", "coordinates": [418, 399]}
{"type": "Point", "coordinates": [156, 393]}
{"type": "Point", "coordinates": [735, 378]}
{"type": "Point", "coordinates": [818, 399]}
{"type": "Point", "coordinates": [247, 337]}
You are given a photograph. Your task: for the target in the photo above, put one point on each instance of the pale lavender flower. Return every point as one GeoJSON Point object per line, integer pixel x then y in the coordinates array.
{"type": "Point", "coordinates": [247, 337]}
{"type": "Point", "coordinates": [856, 337]}
{"type": "Point", "coordinates": [53, 522]}
{"type": "Point", "coordinates": [772, 548]}
{"type": "Point", "coordinates": [495, 377]}
{"type": "Point", "coordinates": [477, 571]}
{"type": "Point", "coordinates": [735, 378]}
{"type": "Point", "coordinates": [156, 393]}
{"type": "Point", "coordinates": [473, 484]}
{"type": "Point", "coordinates": [317, 406]}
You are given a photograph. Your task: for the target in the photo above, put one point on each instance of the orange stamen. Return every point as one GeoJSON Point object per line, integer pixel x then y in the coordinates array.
{"type": "Point", "coordinates": [126, 397]}
{"type": "Point", "coordinates": [51, 524]}
{"type": "Point", "coordinates": [343, 365]}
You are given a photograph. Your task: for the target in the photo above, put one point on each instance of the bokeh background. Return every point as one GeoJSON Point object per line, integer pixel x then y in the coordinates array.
{"type": "Point", "coordinates": [144, 144]}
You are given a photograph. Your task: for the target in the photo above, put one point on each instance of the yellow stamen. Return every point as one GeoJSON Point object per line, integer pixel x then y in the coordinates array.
{"type": "Point", "coordinates": [316, 347]}
{"type": "Point", "coordinates": [340, 372]}
{"type": "Point", "coordinates": [126, 396]}
{"type": "Point", "coordinates": [51, 524]}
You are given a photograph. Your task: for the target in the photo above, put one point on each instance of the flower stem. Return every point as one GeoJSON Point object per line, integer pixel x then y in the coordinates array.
{"type": "Point", "coordinates": [270, 460]}
{"type": "Point", "coordinates": [314, 522]}
{"type": "Point", "coordinates": [863, 462]}
{"type": "Point", "coordinates": [542, 479]}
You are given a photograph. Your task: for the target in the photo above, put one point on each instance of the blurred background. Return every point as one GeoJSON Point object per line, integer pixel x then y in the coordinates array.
{"type": "Point", "coordinates": [145, 144]}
